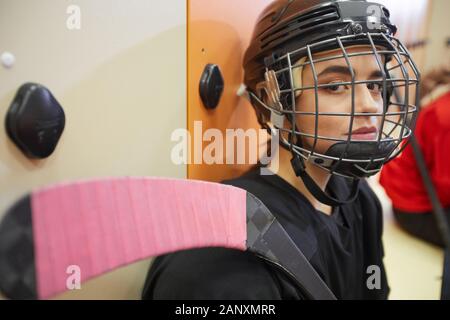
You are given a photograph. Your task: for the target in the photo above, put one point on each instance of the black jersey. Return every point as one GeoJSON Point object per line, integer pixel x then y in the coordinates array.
{"type": "Point", "coordinates": [345, 249]}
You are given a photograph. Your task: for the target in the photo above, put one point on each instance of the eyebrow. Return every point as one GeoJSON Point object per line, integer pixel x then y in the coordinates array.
{"type": "Point", "coordinates": [346, 71]}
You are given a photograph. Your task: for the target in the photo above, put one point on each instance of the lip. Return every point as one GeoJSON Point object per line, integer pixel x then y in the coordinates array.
{"type": "Point", "coordinates": [364, 133]}
{"type": "Point", "coordinates": [365, 130]}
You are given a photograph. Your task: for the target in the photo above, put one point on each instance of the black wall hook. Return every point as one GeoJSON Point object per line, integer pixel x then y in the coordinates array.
{"type": "Point", "coordinates": [211, 86]}
{"type": "Point", "coordinates": [35, 121]}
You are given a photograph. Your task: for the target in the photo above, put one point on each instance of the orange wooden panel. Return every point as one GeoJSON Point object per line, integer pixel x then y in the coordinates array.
{"type": "Point", "coordinates": [219, 32]}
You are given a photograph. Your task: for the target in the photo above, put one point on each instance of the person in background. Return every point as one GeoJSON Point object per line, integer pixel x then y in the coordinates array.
{"type": "Point", "coordinates": [401, 178]}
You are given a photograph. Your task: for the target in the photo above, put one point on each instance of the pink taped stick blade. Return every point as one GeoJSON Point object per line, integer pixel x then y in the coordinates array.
{"type": "Point", "coordinates": [100, 225]}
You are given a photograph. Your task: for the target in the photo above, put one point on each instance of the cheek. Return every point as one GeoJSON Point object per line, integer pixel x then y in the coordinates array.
{"type": "Point", "coordinates": [327, 103]}
{"type": "Point", "coordinates": [305, 102]}
{"type": "Point", "coordinates": [329, 126]}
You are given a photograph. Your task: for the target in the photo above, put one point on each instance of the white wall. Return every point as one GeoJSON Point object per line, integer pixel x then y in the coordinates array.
{"type": "Point", "coordinates": [438, 33]}
{"type": "Point", "coordinates": [121, 80]}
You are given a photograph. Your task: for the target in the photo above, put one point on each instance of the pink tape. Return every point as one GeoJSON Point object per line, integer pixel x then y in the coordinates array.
{"type": "Point", "coordinates": [101, 225]}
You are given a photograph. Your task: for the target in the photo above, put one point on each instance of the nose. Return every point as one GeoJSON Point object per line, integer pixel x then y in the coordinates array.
{"type": "Point", "coordinates": [365, 101]}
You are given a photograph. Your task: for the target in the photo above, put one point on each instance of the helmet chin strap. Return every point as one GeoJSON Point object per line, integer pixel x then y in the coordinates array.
{"type": "Point", "coordinates": [298, 164]}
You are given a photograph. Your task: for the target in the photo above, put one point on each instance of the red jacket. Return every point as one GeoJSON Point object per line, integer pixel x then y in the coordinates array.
{"type": "Point", "coordinates": [401, 178]}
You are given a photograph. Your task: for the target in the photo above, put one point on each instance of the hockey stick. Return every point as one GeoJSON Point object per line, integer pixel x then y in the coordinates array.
{"type": "Point", "coordinates": [100, 225]}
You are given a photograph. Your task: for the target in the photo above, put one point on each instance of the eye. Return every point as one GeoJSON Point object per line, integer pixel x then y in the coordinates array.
{"type": "Point", "coordinates": [337, 87]}
{"type": "Point", "coordinates": [376, 87]}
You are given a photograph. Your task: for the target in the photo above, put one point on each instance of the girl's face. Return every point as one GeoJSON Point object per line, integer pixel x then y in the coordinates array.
{"type": "Point", "coordinates": [338, 98]}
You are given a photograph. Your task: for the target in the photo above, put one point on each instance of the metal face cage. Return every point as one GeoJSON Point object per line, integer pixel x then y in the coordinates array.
{"type": "Point", "coordinates": [347, 156]}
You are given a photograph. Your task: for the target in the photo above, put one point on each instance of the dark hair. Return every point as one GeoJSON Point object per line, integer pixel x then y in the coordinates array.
{"type": "Point", "coordinates": [433, 79]}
